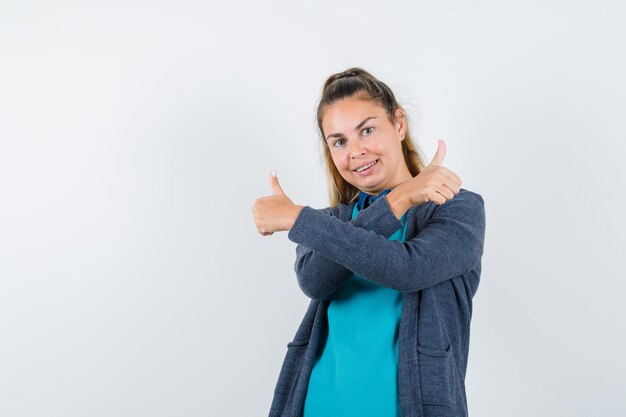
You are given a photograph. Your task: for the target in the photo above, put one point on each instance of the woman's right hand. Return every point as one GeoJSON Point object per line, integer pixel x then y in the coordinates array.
{"type": "Point", "coordinates": [435, 183]}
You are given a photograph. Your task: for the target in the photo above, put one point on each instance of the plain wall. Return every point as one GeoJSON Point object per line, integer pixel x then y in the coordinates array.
{"type": "Point", "coordinates": [136, 135]}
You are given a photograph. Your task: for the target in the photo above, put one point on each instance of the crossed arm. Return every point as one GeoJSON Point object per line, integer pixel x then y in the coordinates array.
{"type": "Point", "coordinates": [329, 250]}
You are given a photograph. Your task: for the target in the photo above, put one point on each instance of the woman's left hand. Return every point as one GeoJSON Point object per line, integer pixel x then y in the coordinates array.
{"type": "Point", "coordinates": [275, 213]}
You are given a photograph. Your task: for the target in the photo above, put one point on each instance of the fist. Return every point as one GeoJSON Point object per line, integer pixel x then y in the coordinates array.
{"type": "Point", "coordinates": [434, 183]}
{"type": "Point", "coordinates": [275, 212]}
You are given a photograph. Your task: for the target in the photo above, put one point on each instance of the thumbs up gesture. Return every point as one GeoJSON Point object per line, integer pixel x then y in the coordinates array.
{"type": "Point", "coordinates": [440, 154]}
{"type": "Point", "coordinates": [275, 212]}
{"type": "Point", "coordinates": [434, 183]}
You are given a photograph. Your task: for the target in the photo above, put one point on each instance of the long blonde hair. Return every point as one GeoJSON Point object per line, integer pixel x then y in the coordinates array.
{"type": "Point", "coordinates": [358, 83]}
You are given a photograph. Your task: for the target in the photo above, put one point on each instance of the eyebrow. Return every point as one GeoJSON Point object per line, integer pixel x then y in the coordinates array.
{"type": "Point", "coordinates": [355, 129]}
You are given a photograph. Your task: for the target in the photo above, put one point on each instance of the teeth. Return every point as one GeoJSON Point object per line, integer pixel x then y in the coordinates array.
{"type": "Point", "coordinates": [364, 167]}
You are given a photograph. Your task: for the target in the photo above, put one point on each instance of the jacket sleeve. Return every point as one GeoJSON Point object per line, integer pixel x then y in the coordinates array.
{"type": "Point", "coordinates": [450, 243]}
{"type": "Point", "coordinates": [320, 277]}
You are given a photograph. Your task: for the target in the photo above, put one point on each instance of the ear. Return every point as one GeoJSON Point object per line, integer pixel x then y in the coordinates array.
{"type": "Point", "coordinates": [400, 123]}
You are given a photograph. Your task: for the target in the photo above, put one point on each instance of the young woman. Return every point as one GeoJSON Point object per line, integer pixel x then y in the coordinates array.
{"type": "Point", "coordinates": [391, 267]}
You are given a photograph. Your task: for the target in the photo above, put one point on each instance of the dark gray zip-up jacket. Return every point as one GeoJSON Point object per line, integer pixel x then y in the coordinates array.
{"type": "Point", "coordinates": [438, 270]}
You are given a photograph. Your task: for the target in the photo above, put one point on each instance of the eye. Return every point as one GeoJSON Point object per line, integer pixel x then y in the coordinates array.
{"type": "Point", "coordinates": [335, 142]}
{"type": "Point", "coordinates": [367, 128]}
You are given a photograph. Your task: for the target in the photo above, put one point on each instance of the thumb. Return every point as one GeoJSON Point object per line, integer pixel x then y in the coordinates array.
{"type": "Point", "coordinates": [441, 153]}
{"type": "Point", "coordinates": [275, 185]}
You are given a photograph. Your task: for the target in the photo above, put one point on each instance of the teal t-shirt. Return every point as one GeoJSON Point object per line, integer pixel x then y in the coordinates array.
{"type": "Point", "coordinates": [355, 369]}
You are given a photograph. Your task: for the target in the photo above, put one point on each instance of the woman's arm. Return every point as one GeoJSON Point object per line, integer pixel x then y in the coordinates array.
{"type": "Point", "coordinates": [319, 277]}
{"type": "Point", "coordinates": [450, 244]}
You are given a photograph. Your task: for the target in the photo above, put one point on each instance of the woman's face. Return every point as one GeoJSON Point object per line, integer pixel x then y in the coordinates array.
{"type": "Point", "coordinates": [358, 133]}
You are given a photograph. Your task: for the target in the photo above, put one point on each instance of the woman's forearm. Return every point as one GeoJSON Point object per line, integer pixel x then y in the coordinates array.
{"type": "Point", "coordinates": [320, 277]}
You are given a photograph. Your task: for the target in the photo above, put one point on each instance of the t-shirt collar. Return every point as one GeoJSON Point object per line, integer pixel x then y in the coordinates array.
{"type": "Point", "coordinates": [366, 199]}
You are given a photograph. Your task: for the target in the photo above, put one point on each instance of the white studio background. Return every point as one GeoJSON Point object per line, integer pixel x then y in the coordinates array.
{"type": "Point", "coordinates": [136, 135]}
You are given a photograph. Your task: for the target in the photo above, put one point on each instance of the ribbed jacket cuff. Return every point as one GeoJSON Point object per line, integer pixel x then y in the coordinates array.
{"type": "Point", "coordinates": [302, 230]}
{"type": "Point", "coordinates": [379, 218]}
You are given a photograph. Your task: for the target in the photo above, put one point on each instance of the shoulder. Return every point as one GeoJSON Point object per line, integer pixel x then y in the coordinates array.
{"type": "Point", "coordinates": [468, 199]}
{"type": "Point", "coordinates": [466, 204]}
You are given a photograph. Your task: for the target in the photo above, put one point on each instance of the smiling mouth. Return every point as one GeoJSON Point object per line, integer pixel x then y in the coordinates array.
{"type": "Point", "coordinates": [369, 166]}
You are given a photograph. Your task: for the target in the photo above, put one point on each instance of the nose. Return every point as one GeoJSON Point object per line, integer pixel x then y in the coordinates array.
{"type": "Point", "coordinates": [356, 148]}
